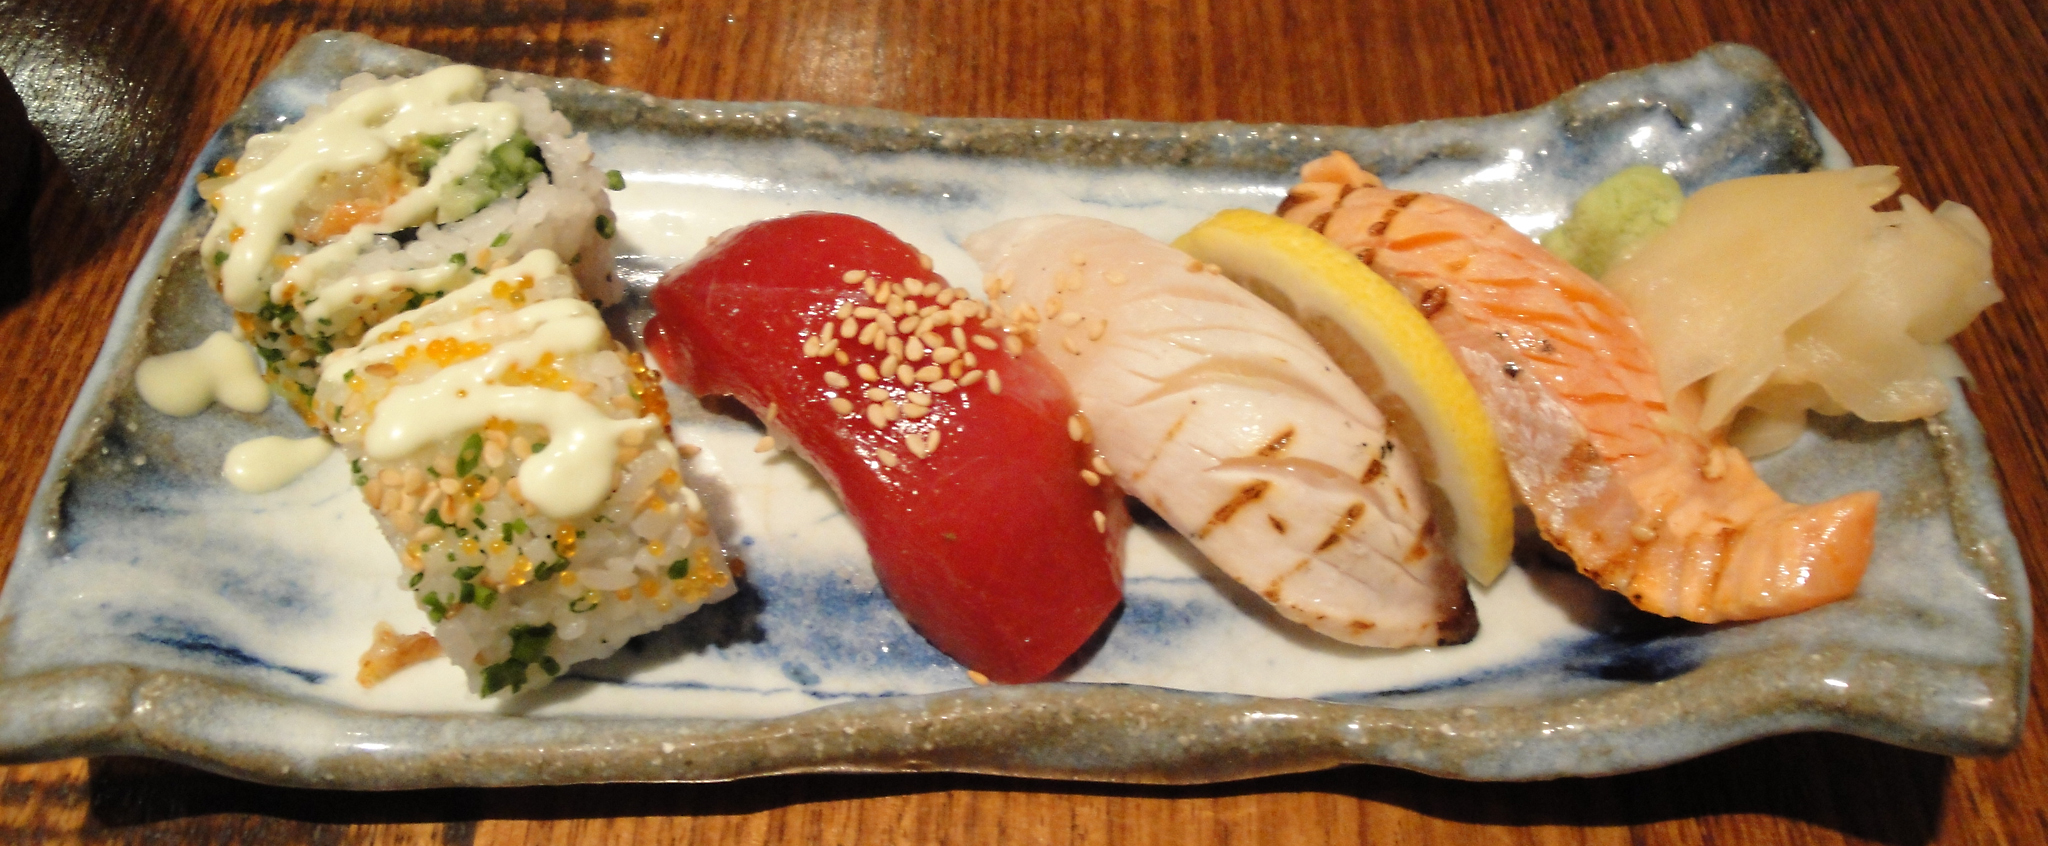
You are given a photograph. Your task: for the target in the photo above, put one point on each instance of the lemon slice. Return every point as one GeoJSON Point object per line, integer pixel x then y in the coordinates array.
{"type": "Point", "coordinates": [1388, 347]}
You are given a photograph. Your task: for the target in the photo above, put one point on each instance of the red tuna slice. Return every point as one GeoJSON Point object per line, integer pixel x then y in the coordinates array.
{"type": "Point", "coordinates": [993, 544]}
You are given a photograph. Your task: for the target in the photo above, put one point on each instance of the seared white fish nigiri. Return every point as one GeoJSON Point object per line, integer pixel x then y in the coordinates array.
{"type": "Point", "coordinates": [1232, 423]}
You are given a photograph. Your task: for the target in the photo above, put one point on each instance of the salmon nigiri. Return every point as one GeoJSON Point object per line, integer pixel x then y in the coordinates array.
{"type": "Point", "coordinates": [950, 453]}
{"type": "Point", "coordinates": [1642, 500]}
{"type": "Point", "coordinates": [1230, 421]}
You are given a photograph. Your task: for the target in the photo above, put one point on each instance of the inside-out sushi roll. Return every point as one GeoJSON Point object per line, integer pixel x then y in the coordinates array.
{"type": "Point", "coordinates": [517, 457]}
{"type": "Point", "coordinates": [392, 194]}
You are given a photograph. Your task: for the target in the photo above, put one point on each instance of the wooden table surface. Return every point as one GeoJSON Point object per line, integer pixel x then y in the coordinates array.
{"type": "Point", "coordinates": [126, 91]}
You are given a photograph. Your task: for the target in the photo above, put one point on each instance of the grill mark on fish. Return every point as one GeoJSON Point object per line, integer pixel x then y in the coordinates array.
{"type": "Point", "coordinates": [1272, 591]}
{"type": "Point", "coordinates": [1432, 301]}
{"type": "Point", "coordinates": [1344, 525]}
{"type": "Point", "coordinates": [1297, 197]}
{"type": "Point", "coordinates": [1372, 471]}
{"type": "Point", "coordinates": [1246, 495]}
{"type": "Point", "coordinates": [1278, 524]}
{"type": "Point", "coordinates": [1171, 432]}
{"type": "Point", "coordinates": [1320, 221]}
{"type": "Point", "coordinates": [1277, 444]}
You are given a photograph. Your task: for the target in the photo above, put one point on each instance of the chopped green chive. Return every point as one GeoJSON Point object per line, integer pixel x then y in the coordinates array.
{"type": "Point", "coordinates": [502, 239]}
{"type": "Point", "coordinates": [459, 258]}
{"type": "Point", "coordinates": [605, 227]}
{"type": "Point", "coordinates": [220, 257]}
{"type": "Point", "coordinates": [614, 180]}
{"type": "Point", "coordinates": [467, 573]}
{"type": "Point", "coordinates": [415, 581]}
{"type": "Point", "coordinates": [679, 569]}
{"type": "Point", "coordinates": [472, 449]}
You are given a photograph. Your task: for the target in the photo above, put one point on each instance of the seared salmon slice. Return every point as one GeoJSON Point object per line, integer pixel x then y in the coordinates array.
{"type": "Point", "coordinates": [1643, 501]}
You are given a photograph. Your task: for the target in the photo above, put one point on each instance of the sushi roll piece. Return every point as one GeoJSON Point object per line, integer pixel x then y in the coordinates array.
{"type": "Point", "coordinates": [1227, 419]}
{"type": "Point", "coordinates": [390, 195]}
{"type": "Point", "coordinates": [517, 458]}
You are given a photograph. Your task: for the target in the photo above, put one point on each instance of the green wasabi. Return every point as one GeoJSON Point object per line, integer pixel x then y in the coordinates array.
{"type": "Point", "coordinates": [1611, 220]}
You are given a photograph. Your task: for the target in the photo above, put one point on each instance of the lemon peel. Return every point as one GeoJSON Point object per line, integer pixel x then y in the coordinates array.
{"type": "Point", "coordinates": [1388, 347]}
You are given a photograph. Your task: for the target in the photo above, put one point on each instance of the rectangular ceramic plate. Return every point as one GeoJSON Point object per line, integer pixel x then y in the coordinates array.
{"type": "Point", "coordinates": [152, 610]}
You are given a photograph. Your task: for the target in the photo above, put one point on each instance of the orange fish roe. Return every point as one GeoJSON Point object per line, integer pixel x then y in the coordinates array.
{"type": "Point", "coordinates": [543, 374]}
{"type": "Point", "coordinates": [447, 351]}
{"type": "Point", "coordinates": [512, 291]}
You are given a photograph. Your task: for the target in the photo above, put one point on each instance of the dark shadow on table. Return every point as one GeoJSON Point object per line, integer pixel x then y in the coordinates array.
{"type": "Point", "coordinates": [1859, 788]}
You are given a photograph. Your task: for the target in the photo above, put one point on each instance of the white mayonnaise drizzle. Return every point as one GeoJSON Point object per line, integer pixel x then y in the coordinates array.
{"type": "Point", "coordinates": [351, 293]}
{"type": "Point", "coordinates": [184, 383]}
{"type": "Point", "coordinates": [358, 132]}
{"type": "Point", "coordinates": [570, 477]}
{"type": "Point", "coordinates": [268, 463]}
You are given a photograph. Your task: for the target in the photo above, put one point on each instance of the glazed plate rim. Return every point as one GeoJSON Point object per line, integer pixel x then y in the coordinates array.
{"type": "Point", "coordinates": [1045, 730]}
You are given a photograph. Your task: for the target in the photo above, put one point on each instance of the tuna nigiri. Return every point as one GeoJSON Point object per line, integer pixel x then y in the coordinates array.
{"type": "Point", "coordinates": [950, 452]}
{"type": "Point", "coordinates": [1644, 502]}
{"type": "Point", "coordinates": [1227, 419]}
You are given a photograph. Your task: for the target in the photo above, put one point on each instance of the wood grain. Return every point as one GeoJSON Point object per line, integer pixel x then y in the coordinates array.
{"type": "Point", "coordinates": [127, 92]}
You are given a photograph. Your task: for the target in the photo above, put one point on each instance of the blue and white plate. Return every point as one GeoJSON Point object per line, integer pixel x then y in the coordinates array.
{"type": "Point", "coordinates": [153, 610]}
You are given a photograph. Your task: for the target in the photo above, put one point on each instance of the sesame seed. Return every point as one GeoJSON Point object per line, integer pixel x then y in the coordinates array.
{"type": "Point", "coordinates": [867, 312]}
{"type": "Point", "coordinates": [945, 355]}
{"type": "Point", "coordinates": [881, 294]}
{"type": "Point", "coordinates": [995, 382]}
{"type": "Point", "coordinates": [919, 398]}
{"type": "Point", "coordinates": [915, 411]}
{"type": "Point", "coordinates": [830, 346]}
{"type": "Point", "coordinates": [869, 285]}
{"type": "Point", "coordinates": [840, 405]}
{"type": "Point", "coordinates": [984, 342]}
{"type": "Point", "coordinates": [773, 409]}
{"type": "Point", "coordinates": [1097, 328]}
{"type": "Point", "coordinates": [907, 325]}
{"type": "Point", "coordinates": [1070, 318]}
{"type": "Point", "coordinates": [765, 444]}
{"type": "Point", "coordinates": [895, 347]}
{"type": "Point", "coordinates": [1053, 304]}
{"type": "Point", "coordinates": [1091, 478]}
{"type": "Point", "coordinates": [1013, 345]}
{"type": "Point", "coordinates": [932, 286]}
{"type": "Point", "coordinates": [946, 297]}
{"type": "Point", "coordinates": [848, 327]}
{"type": "Point", "coordinates": [888, 458]}
{"type": "Point", "coordinates": [1213, 269]}
{"type": "Point", "coordinates": [894, 307]}
{"type": "Point", "coordinates": [1642, 534]}
{"type": "Point", "coordinates": [1027, 314]}
{"type": "Point", "coordinates": [929, 373]}
{"type": "Point", "coordinates": [977, 678]}
{"type": "Point", "coordinates": [956, 368]}
{"type": "Point", "coordinates": [994, 322]}
{"type": "Point", "coordinates": [931, 441]}
{"type": "Point", "coordinates": [906, 375]}
{"type": "Point", "coordinates": [876, 394]}
{"type": "Point", "coordinates": [1101, 466]}
{"type": "Point", "coordinates": [835, 379]}
{"type": "Point", "coordinates": [959, 337]}
{"type": "Point", "coordinates": [868, 332]}
{"type": "Point", "coordinates": [944, 386]}
{"type": "Point", "coordinates": [1194, 266]}
{"type": "Point", "coordinates": [917, 445]}
{"type": "Point", "coordinates": [877, 416]}
{"type": "Point", "coordinates": [854, 277]}
{"type": "Point", "coordinates": [1071, 345]}
{"type": "Point", "coordinates": [931, 321]}
{"type": "Point", "coordinates": [892, 411]}
{"type": "Point", "coordinates": [1074, 430]}
{"type": "Point", "coordinates": [844, 311]}
{"type": "Point", "coordinates": [1101, 522]}
{"type": "Point", "coordinates": [969, 378]}
{"type": "Point", "coordinates": [688, 450]}
{"type": "Point", "coordinates": [866, 372]}
{"type": "Point", "coordinates": [914, 350]}
{"type": "Point", "coordinates": [811, 347]}
{"type": "Point", "coordinates": [891, 364]}
{"type": "Point", "coordinates": [839, 356]}
{"type": "Point", "coordinates": [924, 261]}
